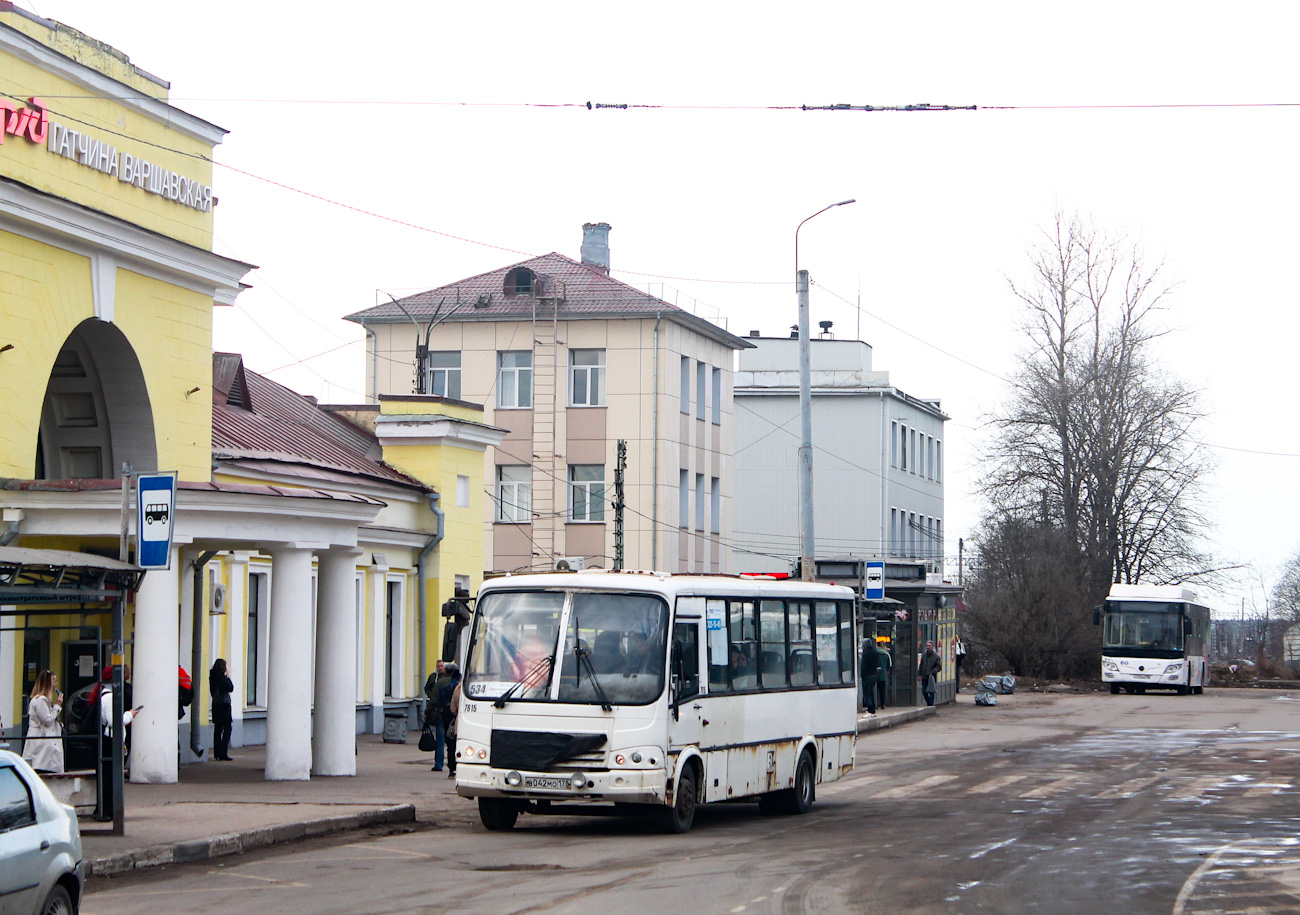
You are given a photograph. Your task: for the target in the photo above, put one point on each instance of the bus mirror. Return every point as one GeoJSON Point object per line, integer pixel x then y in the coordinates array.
{"type": "Point", "coordinates": [1096, 616]}
{"type": "Point", "coordinates": [1187, 626]}
{"type": "Point", "coordinates": [677, 696]}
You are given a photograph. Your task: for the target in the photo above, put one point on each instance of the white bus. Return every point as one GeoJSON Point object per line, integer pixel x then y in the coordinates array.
{"type": "Point", "coordinates": [625, 692]}
{"type": "Point", "coordinates": [1154, 637]}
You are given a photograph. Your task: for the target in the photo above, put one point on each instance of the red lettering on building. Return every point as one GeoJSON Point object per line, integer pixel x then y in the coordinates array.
{"type": "Point", "coordinates": [32, 122]}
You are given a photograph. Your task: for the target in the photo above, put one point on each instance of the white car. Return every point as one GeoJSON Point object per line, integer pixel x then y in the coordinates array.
{"type": "Point", "coordinates": [41, 868]}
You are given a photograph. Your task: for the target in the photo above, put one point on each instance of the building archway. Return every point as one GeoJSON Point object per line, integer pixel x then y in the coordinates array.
{"type": "Point", "coordinates": [96, 414]}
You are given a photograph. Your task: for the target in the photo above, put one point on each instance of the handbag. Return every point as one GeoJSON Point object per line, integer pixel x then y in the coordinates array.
{"type": "Point", "coordinates": [428, 740]}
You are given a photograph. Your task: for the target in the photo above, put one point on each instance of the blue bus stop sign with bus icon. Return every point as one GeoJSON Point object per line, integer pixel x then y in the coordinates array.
{"type": "Point", "coordinates": [156, 510]}
{"type": "Point", "coordinates": [875, 581]}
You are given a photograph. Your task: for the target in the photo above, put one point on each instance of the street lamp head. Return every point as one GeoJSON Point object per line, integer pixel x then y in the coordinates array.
{"type": "Point", "coordinates": [845, 202]}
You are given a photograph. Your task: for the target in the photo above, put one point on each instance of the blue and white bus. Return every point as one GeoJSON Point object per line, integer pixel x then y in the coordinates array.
{"type": "Point", "coordinates": [624, 692]}
{"type": "Point", "coordinates": [1154, 637]}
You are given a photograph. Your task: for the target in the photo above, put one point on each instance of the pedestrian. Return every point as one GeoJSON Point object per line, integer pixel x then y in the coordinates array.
{"type": "Point", "coordinates": [451, 731]}
{"type": "Point", "coordinates": [928, 672]}
{"type": "Point", "coordinates": [959, 658]}
{"type": "Point", "coordinates": [220, 688]}
{"type": "Point", "coordinates": [104, 776]}
{"type": "Point", "coordinates": [43, 746]}
{"type": "Point", "coordinates": [869, 662]}
{"type": "Point", "coordinates": [185, 690]}
{"type": "Point", "coordinates": [438, 689]}
{"type": "Point", "coordinates": [882, 676]}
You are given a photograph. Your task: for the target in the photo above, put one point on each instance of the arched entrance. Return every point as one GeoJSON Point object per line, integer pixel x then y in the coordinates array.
{"type": "Point", "coordinates": [96, 413]}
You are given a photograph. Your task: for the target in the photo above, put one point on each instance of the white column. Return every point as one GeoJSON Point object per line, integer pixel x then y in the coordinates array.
{"type": "Point", "coordinates": [154, 733]}
{"type": "Point", "coordinates": [334, 721]}
{"type": "Point", "coordinates": [378, 645]}
{"type": "Point", "coordinates": [236, 620]}
{"type": "Point", "coordinates": [288, 703]}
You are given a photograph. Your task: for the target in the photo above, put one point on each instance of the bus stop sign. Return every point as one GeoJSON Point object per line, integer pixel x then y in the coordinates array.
{"type": "Point", "coordinates": [875, 581]}
{"type": "Point", "coordinates": [155, 512]}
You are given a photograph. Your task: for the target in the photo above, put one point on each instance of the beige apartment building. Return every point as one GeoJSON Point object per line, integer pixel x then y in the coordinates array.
{"type": "Point", "coordinates": [569, 362]}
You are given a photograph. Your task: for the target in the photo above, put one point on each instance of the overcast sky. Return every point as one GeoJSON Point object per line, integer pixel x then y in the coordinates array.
{"type": "Point", "coordinates": [421, 115]}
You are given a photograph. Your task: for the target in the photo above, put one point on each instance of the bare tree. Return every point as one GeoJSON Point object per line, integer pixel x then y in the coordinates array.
{"type": "Point", "coordinates": [1286, 593]}
{"type": "Point", "coordinates": [1095, 438]}
{"type": "Point", "coordinates": [1022, 597]}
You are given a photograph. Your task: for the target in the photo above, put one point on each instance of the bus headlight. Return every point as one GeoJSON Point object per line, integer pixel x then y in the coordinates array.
{"type": "Point", "coordinates": [1173, 668]}
{"type": "Point", "coordinates": [579, 781]}
{"type": "Point", "coordinates": [514, 779]}
{"type": "Point", "coordinates": [1109, 665]}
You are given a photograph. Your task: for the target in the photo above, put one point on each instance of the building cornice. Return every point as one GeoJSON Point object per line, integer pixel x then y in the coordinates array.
{"type": "Point", "coordinates": [419, 429]}
{"type": "Point", "coordinates": [64, 224]}
{"type": "Point", "coordinates": [28, 49]}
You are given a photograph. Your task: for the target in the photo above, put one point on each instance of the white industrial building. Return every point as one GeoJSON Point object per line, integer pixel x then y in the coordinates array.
{"type": "Point", "coordinates": [878, 459]}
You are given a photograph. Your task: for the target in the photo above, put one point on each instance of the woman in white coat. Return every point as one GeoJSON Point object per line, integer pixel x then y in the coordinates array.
{"type": "Point", "coordinates": [43, 748]}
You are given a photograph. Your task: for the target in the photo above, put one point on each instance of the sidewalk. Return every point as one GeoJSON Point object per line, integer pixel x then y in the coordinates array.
{"type": "Point", "coordinates": [225, 808]}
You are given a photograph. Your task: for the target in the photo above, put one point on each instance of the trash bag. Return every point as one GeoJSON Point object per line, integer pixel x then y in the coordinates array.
{"type": "Point", "coordinates": [986, 699]}
{"type": "Point", "coordinates": [1002, 686]}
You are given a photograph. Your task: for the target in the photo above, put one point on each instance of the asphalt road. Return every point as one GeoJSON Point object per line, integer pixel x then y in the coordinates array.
{"type": "Point", "coordinates": [1045, 804]}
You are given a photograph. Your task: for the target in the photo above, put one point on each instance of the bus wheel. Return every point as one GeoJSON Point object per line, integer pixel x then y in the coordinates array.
{"type": "Point", "coordinates": [498, 814]}
{"type": "Point", "coordinates": [1114, 689]}
{"type": "Point", "coordinates": [801, 798]}
{"type": "Point", "coordinates": [678, 818]}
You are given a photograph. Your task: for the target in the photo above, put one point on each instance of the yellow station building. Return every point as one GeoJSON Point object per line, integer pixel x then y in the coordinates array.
{"type": "Point", "coordinates": [313, 547]}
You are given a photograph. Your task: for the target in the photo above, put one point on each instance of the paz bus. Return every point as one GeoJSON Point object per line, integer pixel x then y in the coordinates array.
{"type": "Point", "coordinates": [1154, 637]}
{"type": "Point", "coordinates": [611, 692]}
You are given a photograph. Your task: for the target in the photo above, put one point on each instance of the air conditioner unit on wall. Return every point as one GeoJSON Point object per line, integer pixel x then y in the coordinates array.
{"type": "Point", "coordinates": [218, 602]}
{"type": "Point", "coordinates": [570, 564]}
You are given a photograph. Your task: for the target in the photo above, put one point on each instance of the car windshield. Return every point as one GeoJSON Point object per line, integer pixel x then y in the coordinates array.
{"type": "Point", "coordinates": [1143, 625]}
{"type": "Point", "coordinates": [613, 649]}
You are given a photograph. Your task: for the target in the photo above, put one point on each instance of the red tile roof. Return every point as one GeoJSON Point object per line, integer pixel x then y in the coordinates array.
{"type": "Point", "coordinates": [279, 425]}
{"type": "Point", "coordinates": [576, 291]}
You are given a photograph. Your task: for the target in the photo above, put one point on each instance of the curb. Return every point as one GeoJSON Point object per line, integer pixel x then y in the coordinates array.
{"type": "Point", "coordinates": [912, 714]}
{"type": "Point", "coordinates": [236, 842]}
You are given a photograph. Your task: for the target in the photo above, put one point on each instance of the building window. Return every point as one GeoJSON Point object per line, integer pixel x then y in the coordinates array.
{"type": "Point", "coordinates": [686, 384]}
{"type": "Point", "coordinates": [893, 444]}
{"type": "Point", "coordinates": [255, 640]}
{"type": "Point", "coordinates": [683, 498]}
{"type": "Point", "coordinates": [587, 492]}
{"type": "Point", "coordinates": [520, 281]}
{"type": "Point", "coordinates": [462, 491]}
{"type": "Point", "coordinates": [903, 447]}
{"type": "Point", "coordinates": [393, 639]}
{"type": "Point", "coordinates": [929, 466]}
{"type": "Point", "coordinates": [892, 545]}
{"type": "Point", "coordinates": [701, 387]}
{"type": "Point", "coordinates": [514, 493]}
{"type": "Point", "coordinates": [587, 377]}
{"type": "Point", "coordinates": [911, 434]}
{"type": "Point", "coordinates": [515, 379]}
{"type": "Point", "coordinates": [700, 501]}
{"type": "Point", "coordinates": [717, 397]}
{"type": "Point", "coordinates": [444, 375]}
{"type": "Point", "coordinates": [938, 461]}
{"type": "Point", "coordinates": [715, 503]}
{"type": "Point", "coordinates": [938, 539]}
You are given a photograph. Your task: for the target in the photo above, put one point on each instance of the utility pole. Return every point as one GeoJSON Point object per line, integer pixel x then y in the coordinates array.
{"type": "Point", "coordinates": [807, 548]}
{"type": "Point", "coordinates": [619, 470]}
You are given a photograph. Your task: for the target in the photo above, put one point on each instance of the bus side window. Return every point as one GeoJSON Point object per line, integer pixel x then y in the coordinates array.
{"type": "Point", "coordinates": [686, 659]}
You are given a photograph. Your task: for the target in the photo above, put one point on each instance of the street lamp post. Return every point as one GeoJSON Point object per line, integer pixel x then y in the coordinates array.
{"type": "Point", "coordinates": [806, 543]}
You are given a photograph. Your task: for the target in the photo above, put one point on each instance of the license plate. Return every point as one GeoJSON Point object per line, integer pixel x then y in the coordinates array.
{"type": "Point", "coordinates": [535, 782]}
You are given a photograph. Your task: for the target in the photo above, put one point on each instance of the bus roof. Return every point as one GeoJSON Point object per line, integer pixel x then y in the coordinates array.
{"type": "Point", "coordinates": [671, 585]}
{"type": "Point", "coordinates": [1152, 592]}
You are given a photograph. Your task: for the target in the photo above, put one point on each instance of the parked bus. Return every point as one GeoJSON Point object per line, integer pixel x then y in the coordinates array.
{"type": "Point", "coordinates": [1154, 637]}
{"type": "Point", "coordinates": [626, 692]}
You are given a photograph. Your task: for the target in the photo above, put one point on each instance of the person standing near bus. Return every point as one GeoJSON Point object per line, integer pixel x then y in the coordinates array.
{"type": "Point", "coordinates": [869, 664]}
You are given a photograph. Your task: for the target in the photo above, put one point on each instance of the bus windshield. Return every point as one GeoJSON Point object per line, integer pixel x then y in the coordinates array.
{"type": "Point", "coordinates": [613, 647]}
{"type": "Point", "coordinates": [1143, 624]}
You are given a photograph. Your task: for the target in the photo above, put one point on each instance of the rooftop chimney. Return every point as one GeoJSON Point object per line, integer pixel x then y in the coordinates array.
{"type": "Point", "coordinates": [595, 244]}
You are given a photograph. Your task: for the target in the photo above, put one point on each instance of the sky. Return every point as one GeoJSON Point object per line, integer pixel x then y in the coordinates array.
{"type": "Point", "coordinates": [393, 147]}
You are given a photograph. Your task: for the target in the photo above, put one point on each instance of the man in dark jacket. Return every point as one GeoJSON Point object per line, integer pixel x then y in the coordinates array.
{"type": "Point", "coordinates": [869, 664]}
{"type": "Point", "coordinates": [931, 664]}
{"type": "Point", "coordinates": [438, 688]}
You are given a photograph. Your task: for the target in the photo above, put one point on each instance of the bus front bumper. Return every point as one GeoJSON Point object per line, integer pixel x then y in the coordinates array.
{"type": "Point", "coordinates": [623, 786]}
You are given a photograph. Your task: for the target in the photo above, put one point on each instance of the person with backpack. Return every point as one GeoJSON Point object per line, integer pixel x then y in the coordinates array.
{"type": "Point", "coordinates": [928, 672]}
{"type": "Point", "coordinates": [868, 666]}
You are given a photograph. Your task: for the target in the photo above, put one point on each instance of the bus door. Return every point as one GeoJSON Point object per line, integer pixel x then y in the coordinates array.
{"type": "Point", "coordinates": [685, 718]}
